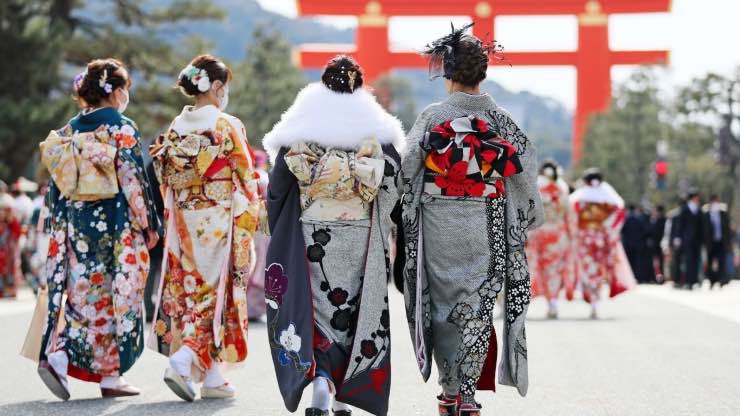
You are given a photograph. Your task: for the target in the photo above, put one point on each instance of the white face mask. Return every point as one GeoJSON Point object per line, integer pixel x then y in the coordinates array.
{"type": "Point", "coordinates": [223, 101]}
{"type": "Point", "coordinates": [123, 105]}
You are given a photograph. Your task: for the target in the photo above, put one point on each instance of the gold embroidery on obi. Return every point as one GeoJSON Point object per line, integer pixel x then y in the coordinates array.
{"type": "Point", "coordinates": [83, 165]}
{"type": "Point", "coordinates": [337, 184]}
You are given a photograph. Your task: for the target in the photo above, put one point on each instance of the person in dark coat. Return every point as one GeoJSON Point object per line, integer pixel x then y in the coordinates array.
{"type": "Point", "coordinates": [635, 236]}
{"type": "Point", "coordinates": [657, 231]}
{"type": "Point", "coordinates": [687, 233]}
{"type": "Point", "coordinates": [717, 240]}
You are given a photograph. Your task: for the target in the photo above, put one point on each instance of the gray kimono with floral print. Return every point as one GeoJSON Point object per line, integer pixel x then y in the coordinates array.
{"type": "Point", "coordinates": [522, 212]}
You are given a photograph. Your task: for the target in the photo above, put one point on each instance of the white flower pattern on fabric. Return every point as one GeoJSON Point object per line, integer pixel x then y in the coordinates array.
{"type": "Point", "coordinates": [289, 340]}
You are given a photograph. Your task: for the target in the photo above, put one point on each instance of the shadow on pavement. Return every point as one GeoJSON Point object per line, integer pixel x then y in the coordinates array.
{"type": "Point", "coordinates": [178, 407]}
{"type": "Point", "coordinates": [81, 407]}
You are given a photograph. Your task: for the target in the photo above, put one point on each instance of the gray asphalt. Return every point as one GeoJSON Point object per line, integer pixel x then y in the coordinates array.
{"type": "Point", "coordinates": [646, 356]}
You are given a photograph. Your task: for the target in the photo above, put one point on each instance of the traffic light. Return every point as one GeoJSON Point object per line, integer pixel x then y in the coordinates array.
{"type": "Point", "coordinates": [661, 170]}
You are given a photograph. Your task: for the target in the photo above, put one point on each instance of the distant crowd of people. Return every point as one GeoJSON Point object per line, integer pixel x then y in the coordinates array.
{"type": "Point", "coordinates": [22, 252]}
{"type": "Point", "coordinates": [692, 241]}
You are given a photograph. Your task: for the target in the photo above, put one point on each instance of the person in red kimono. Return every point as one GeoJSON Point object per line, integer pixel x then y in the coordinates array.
{"type": "Point", "coordinates": [599, 215]}
{"type": "Point", "coordinates": [549, 247]}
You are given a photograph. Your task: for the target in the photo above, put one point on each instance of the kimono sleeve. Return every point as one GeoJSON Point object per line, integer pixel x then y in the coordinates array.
{"type": "Point", "coordinates": [247, 204]}
{"type": "Point", "coordinates": [524, 184]}
{"type": "Point", "coordinates": [134, 181]}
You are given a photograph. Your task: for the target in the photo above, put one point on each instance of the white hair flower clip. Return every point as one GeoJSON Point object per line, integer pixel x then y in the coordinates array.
{"type": "Point", "coordinates": [104, 84]}
{"type": "Point", "coordinates": [198, 77]}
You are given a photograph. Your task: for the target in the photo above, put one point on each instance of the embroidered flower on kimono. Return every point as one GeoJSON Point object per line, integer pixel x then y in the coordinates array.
{"type": "Point", "coordinates": [56, 299]}
{"type": "Point", "coordinates": [289, 340]}
{"type": "Point", "coordinates": [128, 260]}
{"type": "Point", "coordinates": [456, 182]}
{"type": "Point", "coordinates": [321, 236]}
{"type": "Point", "coordinates": [81, 286]}
{"type": "Point", "coordinates": [53, 248]}
{"type": "Point", "coordinates": [97, 278]}
{"type": "Point", "coordinates": [101, 226]}
{"type": "Point", "coordinates": [276, 284]}
{"type": "Point", "coordinates": [81, 246]}
{"type": "Point", "coordinates": [338, 296]}
{"type": "Point", "coordinates": [160, 328]}
{"type": "Point", "coordinates": [189, 283]}
{"type": "Point", "coordinates": [342, 319]}
{"type": "Point", "coordinates": [368, 349]}
{"type": "Point", "coordinates": [89, 312]}
{"type": "Point", "coordinates": [315, 253]}
{"type": "Point", "coordinates": [123, 286]}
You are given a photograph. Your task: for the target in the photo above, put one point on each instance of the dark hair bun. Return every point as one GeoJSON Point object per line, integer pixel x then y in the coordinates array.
{"type": "Point", "coordinates": [342, 74]}
{"type": "Point", "coordinates": [214, 68]}
{"type": "Point", "coordinates": [100, 79]}
{"type": "Point", "coordinates": [591, 174]}
{"type": "Point", "coordinates": [471, 62]}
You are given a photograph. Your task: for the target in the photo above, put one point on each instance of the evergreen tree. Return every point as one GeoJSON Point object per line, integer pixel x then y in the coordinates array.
{"type": "Point", "coordinates": [395, 95]}
{"type": "Point", "coordinates": [48, 41]}
{"type": "Point", "coordinates": [622, 142]}
{"type": "Point", "coordinates": [265, 84]}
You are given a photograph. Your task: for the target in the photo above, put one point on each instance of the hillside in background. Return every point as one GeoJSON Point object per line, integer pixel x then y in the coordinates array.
{"type": "Point", "coordinates": [545, 120]}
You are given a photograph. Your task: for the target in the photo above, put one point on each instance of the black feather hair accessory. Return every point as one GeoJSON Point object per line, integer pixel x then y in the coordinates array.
{"type": "Point", "coordinates": [441, 52]}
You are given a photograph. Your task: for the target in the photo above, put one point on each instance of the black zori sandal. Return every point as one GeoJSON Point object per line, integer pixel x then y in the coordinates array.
{"type": "Point", "coordinates": [312, 411]}
{"type": "Point", "coordinates": [447, 406]}
{"type": "Point", "coordinates": [342, 413]}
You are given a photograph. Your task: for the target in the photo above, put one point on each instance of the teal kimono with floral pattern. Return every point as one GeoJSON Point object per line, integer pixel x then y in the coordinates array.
{"type": "Point", "coordinates": [98, 258]}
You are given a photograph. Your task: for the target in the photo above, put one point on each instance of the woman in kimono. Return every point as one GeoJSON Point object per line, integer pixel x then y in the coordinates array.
{"type": "Point", "coordinates": [10, 233]}
{"type": "Point", "coordinates": [332, 189]}
{"type": "Point", "coordinates": [209, 187]}
{"type": "Point", "coordinates": [100, 223]}
{"type": "Point", "coordinates": [469, 197]}
{"type": "Point", "coordinates": [256, 306]}
{"type": "Point", "coordinates": [599, 255]}
{"type": "Point", "coordinates": [549, 247]}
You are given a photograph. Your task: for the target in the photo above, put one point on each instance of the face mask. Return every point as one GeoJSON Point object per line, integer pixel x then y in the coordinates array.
{"type": "Point", "coordinates": [123, 105]}
{"type": "Point", "coordinates": [223, 101]}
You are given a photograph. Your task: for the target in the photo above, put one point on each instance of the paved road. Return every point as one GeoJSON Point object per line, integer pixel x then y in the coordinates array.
{"type": "Point", "coordinates": [651, 354]}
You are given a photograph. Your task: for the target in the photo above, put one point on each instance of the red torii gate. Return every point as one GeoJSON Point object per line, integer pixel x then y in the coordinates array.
{"type": "Point", "coordinates": [593, 59]}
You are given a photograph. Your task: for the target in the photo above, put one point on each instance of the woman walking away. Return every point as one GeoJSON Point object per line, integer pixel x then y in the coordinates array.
{"type": "Point", "coordinates": [101, 221]}
{"type": "Point", "coordinates": [205, 168]}
{"type": "Point", "coordinates": [470, 196]}
{"type": "Point", "coordinates": [599, 254]}
{"type": "Point", "coordinates": [331, 193]}
{"type": "Point", "coordinates": [549, 247]}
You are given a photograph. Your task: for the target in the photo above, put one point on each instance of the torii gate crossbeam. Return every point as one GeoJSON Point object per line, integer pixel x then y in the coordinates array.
{"type": "Point", "coordinates": [593, 59]}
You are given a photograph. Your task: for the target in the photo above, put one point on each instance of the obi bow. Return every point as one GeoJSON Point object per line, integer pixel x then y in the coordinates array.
{"type": "Point", "coordinates": [338, 174]}
{"type": "Point", "coordinates": [181, 161]}
{"type": "Point", "coordinates": [83, 166]}
{"type": "Point", "coordinates": [471, 140]}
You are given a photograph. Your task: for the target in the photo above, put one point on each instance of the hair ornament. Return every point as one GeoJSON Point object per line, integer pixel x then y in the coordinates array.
{"type": "Point", "coordinates": [441, 52]}
{"type": "Point", "coordinates": [104, 84]}
{"type": "Point", "coordinates": [351, 79]}
{"type": "Point", "coordinates": [78, 79]}
{"type": "Point", "coordinates": [197, 76]}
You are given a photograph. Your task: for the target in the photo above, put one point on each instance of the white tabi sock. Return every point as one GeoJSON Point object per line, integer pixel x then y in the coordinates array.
{"type": "Point", "coordinates": [321, 394]}
{"type": "Point", "coordinates": [59, 362]}
{"type": "Point", "coordinates": [213, 377]}
{"type": "Point", "coordinates": [110, 382]}
{"type": "Point", "coordinates": [338, 406]}
{"type": "Point", "coordinates": [182, 361]}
